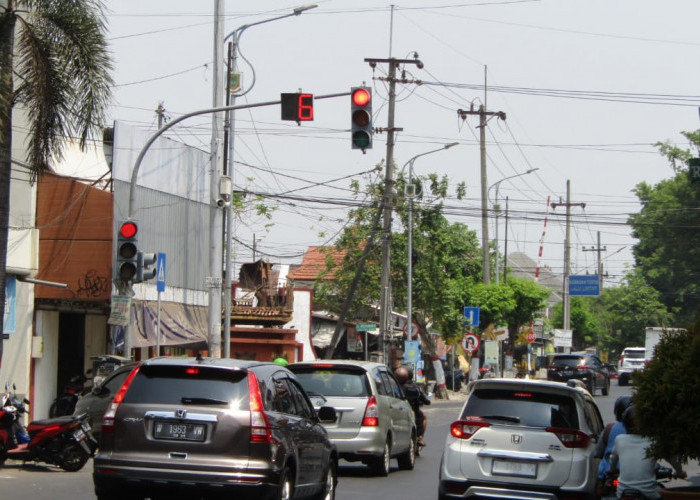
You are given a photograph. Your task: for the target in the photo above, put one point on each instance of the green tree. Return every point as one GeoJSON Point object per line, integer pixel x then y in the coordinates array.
{"type": "Point", "coordinates": [624, 312]}
{"type": "Point", "coordinates": [57, 53]}
{"type": "Point", "coordinates": [583, 321]}
{"type": "Point", "coordinates": [668, 252]}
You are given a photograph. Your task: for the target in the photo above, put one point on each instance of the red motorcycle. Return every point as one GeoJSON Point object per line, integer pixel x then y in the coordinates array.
{"type": "Point", "coordinates": [63, 441]}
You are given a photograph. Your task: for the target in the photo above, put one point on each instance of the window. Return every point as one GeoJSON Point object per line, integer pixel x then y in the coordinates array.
{"type": "Point", "coordinates": [395, 389]}
{"type": "Point", "coordinates": [303, 408]}
{"type": "Point", "coordinates": [382, 383]}
{"type": "Point", "coordinates": [283, 400]}
{"type": "Point", "coordinates": [335, 382]}
{"type": "Point", "coordinates": [536, 409]}
{"type": "Point", "coordinates": [175, 385]}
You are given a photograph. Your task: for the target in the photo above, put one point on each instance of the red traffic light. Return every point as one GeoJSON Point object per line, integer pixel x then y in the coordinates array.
{"type": "Point", "coordinates": [361, 97]}
{"type": "Point", "coordinates": [128, 229]}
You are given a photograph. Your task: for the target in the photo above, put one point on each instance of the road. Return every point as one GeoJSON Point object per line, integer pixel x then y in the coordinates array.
{"type": "Point", "coordinates": [50, 483]}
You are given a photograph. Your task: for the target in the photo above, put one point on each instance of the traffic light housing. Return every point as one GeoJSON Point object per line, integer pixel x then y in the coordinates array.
{"type": "Point", "coordinates": [145, 266]}
{"type": "Point", "coordinates": [361, 117]}
{"type": "Point", "coordinates": [126, 262]}
{"type": "Point", "coordinates": [297, 107]}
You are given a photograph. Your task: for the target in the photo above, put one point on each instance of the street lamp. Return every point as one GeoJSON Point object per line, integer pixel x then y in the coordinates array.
{"type": "Point", "coordinates": [410, 193]}
{"type": "Point", "coordinates": [497, 185]}
{"type": "Point", "coordinates": [235, 37]}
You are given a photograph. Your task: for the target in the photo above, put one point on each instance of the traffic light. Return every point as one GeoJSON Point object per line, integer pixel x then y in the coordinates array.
{"type": "Point", "coordinates": [361, 109]}
{"type": "Point", "coordinates": [144, 271]}
{"type": "Point", "coordinates": [127, 251]}
{"type": "Point", "coordinates": [297, 107]}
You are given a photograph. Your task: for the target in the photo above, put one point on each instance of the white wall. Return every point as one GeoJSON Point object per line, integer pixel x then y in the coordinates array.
{"type": "Point", "coordinates": [45, 367]}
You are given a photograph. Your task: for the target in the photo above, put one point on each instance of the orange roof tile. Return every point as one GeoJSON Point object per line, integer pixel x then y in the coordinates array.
{"type": "Point", "coordinates": [314, 263]}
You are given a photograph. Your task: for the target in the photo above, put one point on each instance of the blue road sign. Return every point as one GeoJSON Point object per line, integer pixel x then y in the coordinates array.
{"type": "Point", "coordinates": [160, 272]}
{"type": "Point", "coordinates": [472, 314]}
{"type": "Point", "coordinates": [584, 285]}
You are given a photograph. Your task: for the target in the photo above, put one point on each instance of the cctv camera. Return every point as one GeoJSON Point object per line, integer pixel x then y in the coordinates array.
{"type": "Point", "coordinates": [221, 203]}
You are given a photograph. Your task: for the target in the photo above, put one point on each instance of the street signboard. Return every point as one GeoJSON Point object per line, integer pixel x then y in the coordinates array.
{"type": "Point", "coordinates": [470, 343]}
{"type": "Point", "coordinates": [160, 272]}
{"type": "Point", "coordinates": [472, 314]}
{"type": "Point", "coordinates": [531, 336]}
{"type": "Point", "coordinates": [120, 310]}
{"type": "Point", "coordinates": [584, 285]}
{"type": "Point", "coordinates": [365, 327]}
{"type": "Point", "coordinates": [694, 169]}
{"type": "Point", "coordinates": [563, 338]}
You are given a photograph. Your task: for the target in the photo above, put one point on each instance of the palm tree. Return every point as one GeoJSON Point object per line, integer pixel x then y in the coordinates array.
{"type": "Point", "coordinates": [54, 63]}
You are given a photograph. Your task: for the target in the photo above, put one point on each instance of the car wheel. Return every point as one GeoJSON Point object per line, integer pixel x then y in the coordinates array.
{"type": "Point", "coordinates": [286, 487]}
{"type": "Point", "coordinates": [381, 465]}
{"type": "Point", "coordinates": [622, 380]}
{"type": "Point", "coordinates": [590, 387]}
{"type": "Point", "coordinates": [328, 491]}
{"type": "Point", "coordinates": [408, 460]}
{"type": "Point", "coordinates": [606, 387]}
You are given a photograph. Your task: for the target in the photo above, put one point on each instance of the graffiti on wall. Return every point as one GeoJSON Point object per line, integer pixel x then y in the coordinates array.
{"type": "Point", "coordinates": [92, 285]}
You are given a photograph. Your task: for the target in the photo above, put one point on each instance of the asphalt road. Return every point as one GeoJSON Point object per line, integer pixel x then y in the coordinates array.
{"type": "Point", "coordinates": [49, 483]}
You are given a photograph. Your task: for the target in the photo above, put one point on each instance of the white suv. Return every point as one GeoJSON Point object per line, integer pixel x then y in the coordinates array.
{"type": "Point", "coordinates": [524, 439]}
{"type": "Point", "coordinates": [631, 360]}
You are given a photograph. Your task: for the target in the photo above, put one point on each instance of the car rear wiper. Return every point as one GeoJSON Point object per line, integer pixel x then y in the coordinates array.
{"type": "Point", "coordinates": [515, 420]}
{"type": "Point", "coordinates": [203, 401]}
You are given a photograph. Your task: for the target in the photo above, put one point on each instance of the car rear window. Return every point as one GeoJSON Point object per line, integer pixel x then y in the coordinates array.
{"type": "Point", "coordinates": [523, 407]}
{"type": "Point", "coordinates": [634, 354]}
{"type": "Point", "coordinates": [567, 361]}
{"type": "Point", "coordinates": [342, 382]}
{"type": "Point", "coordinates": [178, 385]}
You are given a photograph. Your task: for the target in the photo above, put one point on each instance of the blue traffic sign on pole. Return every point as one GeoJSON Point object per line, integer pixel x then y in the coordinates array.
{"type": "Point", "coordinates": [584, 285]}
{"type": "Point", "coordinates": [160, 272]}
{"type": "Point", "coordinates": [472, 314]}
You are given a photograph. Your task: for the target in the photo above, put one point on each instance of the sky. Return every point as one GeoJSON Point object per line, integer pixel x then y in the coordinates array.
{"type": "Point", "coordinates": [587, 86]}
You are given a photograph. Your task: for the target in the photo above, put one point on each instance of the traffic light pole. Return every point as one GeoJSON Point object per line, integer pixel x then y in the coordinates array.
{"type": "Point", "coordinates": [385, 299]}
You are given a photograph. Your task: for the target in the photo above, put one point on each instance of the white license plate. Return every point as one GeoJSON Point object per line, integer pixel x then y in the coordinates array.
{"type": "Point", "coordinates": [512, 468]}
{"type": "Point", "coordinates": [179, 432]}
{"type": "Point", "coordinates": [79, 435]}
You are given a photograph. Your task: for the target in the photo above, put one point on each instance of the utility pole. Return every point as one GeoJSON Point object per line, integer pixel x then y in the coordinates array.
{"type": "Point", "coordinates": [599, 261]}
{"type": "Point", "coordinates": [567, 253]}
{"type": "Point", "coordinates": [484, 117]}
{"type": "Point", "coordinates": [385, 302]}
{"type": "Point", "coordinates": [215, 214]}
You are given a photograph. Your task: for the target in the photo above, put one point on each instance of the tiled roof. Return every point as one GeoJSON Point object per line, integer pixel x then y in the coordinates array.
{"type": "Point", "coordinates": [314, 263]}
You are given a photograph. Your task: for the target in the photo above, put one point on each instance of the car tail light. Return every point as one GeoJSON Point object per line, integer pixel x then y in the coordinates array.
{"type": "Point", "coordinates": [259, 425]}
{"type": "Point", "coordinates": [582, 367]}
{"type": "Point", "coordinates": [464, 429]}
{"type": "Point", "coordinates": [552, 367]}
{"type": "Point", "coordinates": [108, 419]}
{"type": "Point", "coordinates": [570, 438]}
{"type": "Point", "coordinates": [622, 359]}
{"type": "Point", "coordinates": [371, 417]}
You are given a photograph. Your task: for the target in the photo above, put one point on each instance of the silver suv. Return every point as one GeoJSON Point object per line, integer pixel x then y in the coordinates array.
{"type": "Point", "coordinates": [199, 427]}
{"type": "Point", "coordinates": [631, 360]}
{"type": "Point", "coordinates": [524, 439]}
{"type": "Point", "coordinates": [375, 421]}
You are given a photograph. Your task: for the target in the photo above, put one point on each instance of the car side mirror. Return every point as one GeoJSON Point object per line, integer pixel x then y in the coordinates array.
{"type": "Point", "coordinates": [327, 414]}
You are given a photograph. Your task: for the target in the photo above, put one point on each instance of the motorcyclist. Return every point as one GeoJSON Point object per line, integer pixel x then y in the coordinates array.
{"type": "Point", "coordinates": [636, 470]}
{"type": "Point", "coordinates": [611, 431]}
{"type": "Point", "coordinates": [415, 397]}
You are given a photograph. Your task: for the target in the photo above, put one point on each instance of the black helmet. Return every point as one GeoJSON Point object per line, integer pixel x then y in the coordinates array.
{"type": "Point", "coordinates": [621, 404]}
{"type": "Point", "coordinates": [628, 419]}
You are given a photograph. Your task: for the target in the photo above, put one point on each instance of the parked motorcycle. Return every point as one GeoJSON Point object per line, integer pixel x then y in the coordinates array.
{"type": "Point", "coordinates": [64, 441]}
{"type": "Point", "coordinates": [64, 404]}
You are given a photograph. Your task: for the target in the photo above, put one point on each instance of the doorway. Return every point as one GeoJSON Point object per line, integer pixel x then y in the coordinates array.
{"type": "Point", "coordinates": [71, 348]}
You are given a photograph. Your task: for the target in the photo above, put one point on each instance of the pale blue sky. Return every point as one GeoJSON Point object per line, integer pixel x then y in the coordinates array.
{"type": "Point", "coordinates": [587, 85]}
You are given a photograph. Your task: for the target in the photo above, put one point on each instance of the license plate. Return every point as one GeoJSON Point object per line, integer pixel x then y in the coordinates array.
{"type": "Point", "coordinates": [179, 432]}
{"type": "Point", "coordinates": [85, 426]}
{"type": "Point", "coordinates": [79, 435]}
{"type": "Point", "coordinates": [512, 468]}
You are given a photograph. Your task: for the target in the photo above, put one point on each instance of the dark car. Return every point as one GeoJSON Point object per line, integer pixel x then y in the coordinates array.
{"type": "Point", "coordinates": [95, 402]}
{"type": "Point", "coordinates": [201, 427]}
{"type": "Point", "coordinates": [587, 368]}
